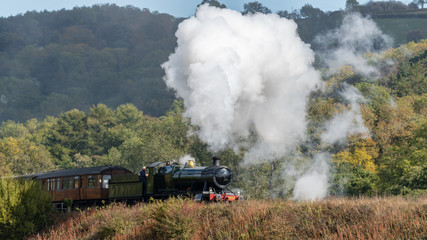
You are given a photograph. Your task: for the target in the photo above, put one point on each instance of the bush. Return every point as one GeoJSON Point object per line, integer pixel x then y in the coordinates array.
{"type": "Point", "coordinates": [24, 208]}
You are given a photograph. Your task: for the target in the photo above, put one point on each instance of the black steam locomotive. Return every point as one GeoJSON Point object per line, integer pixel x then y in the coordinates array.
{"type": "Point", "coordinates": [167, 179]}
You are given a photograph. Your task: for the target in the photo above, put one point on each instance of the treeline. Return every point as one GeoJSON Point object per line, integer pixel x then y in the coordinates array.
{"type": "Point", "coordinates": [392, 160]}
{"type": "Point", "coordinates": [123, 136]}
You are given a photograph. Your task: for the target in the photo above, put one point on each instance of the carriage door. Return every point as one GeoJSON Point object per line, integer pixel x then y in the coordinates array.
{"type": "Point", "coordinates": [82, 188]}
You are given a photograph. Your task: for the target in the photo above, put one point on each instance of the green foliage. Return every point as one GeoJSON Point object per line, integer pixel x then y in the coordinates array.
{"type": "Point", "coordinates": [24, 208]}
{"type": "Point", "coordinates": [403, 167]}
{"type": "Point", "coordinates": [362, 183]}
{"type": "Point", "coordinates": [262, 181]}
{"type": "Point", "coordinates": [412, 77]}
{"type": "Point", "coordinates": [23, 156]}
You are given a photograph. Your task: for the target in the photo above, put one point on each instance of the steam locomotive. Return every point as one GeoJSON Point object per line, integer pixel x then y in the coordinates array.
{"type": "Point", "coordinates": [114, 183]}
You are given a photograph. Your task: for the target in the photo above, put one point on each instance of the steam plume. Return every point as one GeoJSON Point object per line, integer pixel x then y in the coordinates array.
{"type": "Point", "coordinates": [349, 122]}
{"type": "Point", "coordinates": [356, 36]}
{"type": "Point", "coordinates": [242, 77]}
{"type": "Point", "coordinates": [186, 159]}
{"type": "Point", "coordinates": [245, 82]}
{"type": "Point", "coordinates": [313, 184]}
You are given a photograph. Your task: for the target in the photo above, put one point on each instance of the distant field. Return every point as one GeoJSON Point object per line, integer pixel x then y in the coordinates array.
{"type": "Point", "coordinates": [399, 27]}
{"type": "Point", "coordinates": [370, 218]}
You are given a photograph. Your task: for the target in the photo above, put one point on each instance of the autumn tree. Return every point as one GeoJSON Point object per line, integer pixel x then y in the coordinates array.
{"type": "Point", "coordinates": [22, 156]}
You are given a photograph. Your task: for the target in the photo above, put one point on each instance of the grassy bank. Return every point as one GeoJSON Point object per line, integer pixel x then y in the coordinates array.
{"type": "Point", "coordinates": [379, 218]}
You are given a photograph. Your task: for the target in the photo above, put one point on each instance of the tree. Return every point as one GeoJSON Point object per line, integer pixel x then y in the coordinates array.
{"type": "Point", "coordinates": [289, 15]}
{"type": "Point", "coordinates": [68, 136]}
{"type": "Point", "coordinates": [351, 5]}
{"type": "Point", "coordinates": [403, 166]}
{"type": "Point", "coordinates": [421, 3]}
{"type": "Point", "coordinates": [213, 3]}
{"type": "Point", "coordinates": [255, 7]}
{"type": "Point", "coordinates": [24, 157]}
{"type": "Point", "coordinates": [308, 11]}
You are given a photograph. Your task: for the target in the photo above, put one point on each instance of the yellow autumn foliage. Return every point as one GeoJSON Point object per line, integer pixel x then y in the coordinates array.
{"type": "Point", "coordinates": [360, 156]}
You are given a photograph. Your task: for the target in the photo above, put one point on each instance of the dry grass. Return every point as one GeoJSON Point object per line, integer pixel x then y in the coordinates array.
{"type": "Point", "coordinates": [368, 218]}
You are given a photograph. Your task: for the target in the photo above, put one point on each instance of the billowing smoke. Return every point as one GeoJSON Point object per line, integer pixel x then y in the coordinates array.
{"type": "Point", "coordinates": [353, 39]}
{"type": "Point", "coordinates": [313, 184]}
{"type": "Point", "coordinates": [347, 44]}
{"type": "Point", "coordinates": [348, 122]}
{"type": "Point", "coordinates": [244, 80]}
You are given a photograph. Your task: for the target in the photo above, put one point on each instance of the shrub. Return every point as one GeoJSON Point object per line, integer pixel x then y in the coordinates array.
{"type": "Point", "coordinates": [171, 220]}
{"type": "Point", "coordinates": [24, 208]}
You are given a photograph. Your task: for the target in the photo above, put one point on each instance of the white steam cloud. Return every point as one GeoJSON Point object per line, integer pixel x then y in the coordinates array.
{"type": "Point", "coordinates": [346, 123]}
{"type": "Point", "coordinates": [243, 76]}
{"type": "Point", "coordinates": [313, 184]}
{"type": "Point", "coordinates": [356, 36]}
{"type": "Point", "coordinates": [245, 82]}
{"type": "Point", "coordinates": [186, 159]}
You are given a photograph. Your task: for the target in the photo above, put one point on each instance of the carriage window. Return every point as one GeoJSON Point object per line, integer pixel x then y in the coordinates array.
{"type": "Point", "coordinates": [91, 181]}
{"type": "Point", "coordinates": [76, 182]}
{"type": "Point", "coordinates": [53, 184]}
{"type": "Point", "coordinates": [64, 183]}
{"type": "Point", "coordinates": [48, 184]}
{"type": "Point", "coordinates": [70, 183]}
{"type": "Point", "coordinates": [57, 183]}
{"type": "Point", "coordinates": [105, 179]}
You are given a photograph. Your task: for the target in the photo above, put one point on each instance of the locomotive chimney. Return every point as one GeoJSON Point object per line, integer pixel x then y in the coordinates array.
{"type": "Point", "coordinates": [216, 161]}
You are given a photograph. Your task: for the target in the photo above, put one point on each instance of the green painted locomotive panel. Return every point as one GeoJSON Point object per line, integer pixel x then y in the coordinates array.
{"type": "Point", "coordinates": [125, 186]}
{"type": "Point", "coordinates": [124, 178]}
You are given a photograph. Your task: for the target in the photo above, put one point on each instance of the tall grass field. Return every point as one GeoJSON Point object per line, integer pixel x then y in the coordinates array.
{"type": "Point", "coordinates": [365, 218]}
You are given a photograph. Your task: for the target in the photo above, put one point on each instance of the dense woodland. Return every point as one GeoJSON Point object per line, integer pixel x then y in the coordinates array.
{"type": "Point", "coordinates": [84, 87]}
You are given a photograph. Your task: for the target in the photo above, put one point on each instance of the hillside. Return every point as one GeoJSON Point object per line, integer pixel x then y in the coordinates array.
{"type": "Point", "coordinates": [52, 62]}
{"type": "Point", "coordinates": [403, 29]}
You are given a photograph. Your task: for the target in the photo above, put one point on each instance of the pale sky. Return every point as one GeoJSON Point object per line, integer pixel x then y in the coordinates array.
{"type": "Point", "coordinates": [177, 8]}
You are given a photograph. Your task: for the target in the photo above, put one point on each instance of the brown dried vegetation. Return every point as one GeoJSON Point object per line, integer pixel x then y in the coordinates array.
{"type": "Point", "coordinates": [367, 218]}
